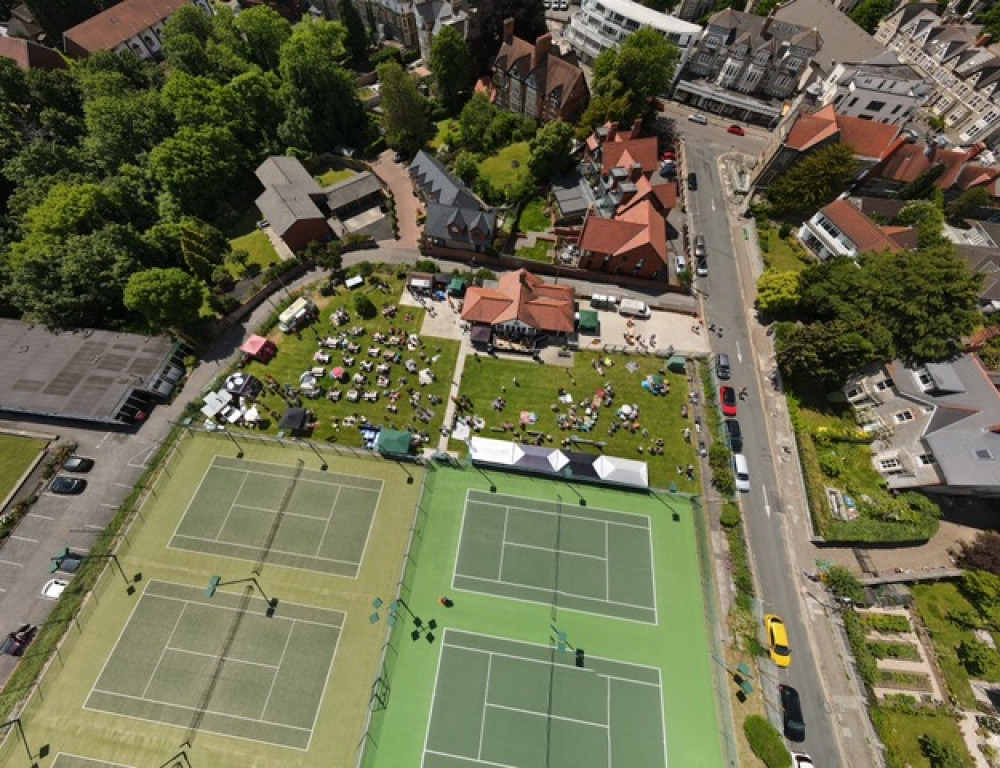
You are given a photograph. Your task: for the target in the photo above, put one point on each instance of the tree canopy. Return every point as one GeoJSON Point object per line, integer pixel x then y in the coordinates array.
{"type": "Point", "coordinates": [813, 181]}
{"type": "Point", "coordinates": [550, 151]}
{"type": "Point", "coordinates": [357, 36]}
{"type": "Point", "coordinates": [406, 127]}
{"type": "Point", "coordinates": [167, 298]}
{"type": "Point", "coordinates": [868, 13]}
{"type": "Point", "coordinates": [450, 67]}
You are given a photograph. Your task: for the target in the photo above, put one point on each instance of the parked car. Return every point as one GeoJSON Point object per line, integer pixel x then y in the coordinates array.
{"type": "Point", "coordinates": [737, 130]}
{"type": "Point", "coordinates": [802, 761]}
{"type": "Point", "coordinates": [699, 118]}
{"type": "Point", "coordinates": [693, 181]}
{"type": "Point", "coordinates": [741, 472]}
{"type": "Point", "coordinates": [702, 268]}
{"type": "Point", "coordinates": [15, 642]}
{"type": "Point", "coordinates": [668, 154]}
{"type": "Point", "coordinates": [727, 398]}
{"type": "Point", "coordinates": [78, 464]}
{"type": "Point", "coordinates": [54, 588]}
{"type": "Point", "coordinates": [791, 713]}
{"type": "Point", "coordinates": [263, 224]}
{"type": "Point", "coordinates": [68, 486]}
{"type": "Point", "coordinates": [734, 435]}
{"type": "Point", "coordinates": [777, 640]}
{"type": "Point", "coordinates": [67, 562]}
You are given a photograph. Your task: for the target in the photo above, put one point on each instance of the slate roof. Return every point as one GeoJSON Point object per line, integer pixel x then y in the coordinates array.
{"type": "Point", "coordinates": [842, 39]}
{"type": "Point", "coordinates": [436, 183]}
{"type": "Point", "coordinates": [112, 27]}
{"type": "Point", "coordinates": [357, 187]}
{"type": "Point", "coordinates": [985, 261]}
{"type": "Point", "coordinates": [441, 217]}
{"type": "Point", "coordinates": [520, 295]}
{"type": "Point", "coordinates": [289, 192]}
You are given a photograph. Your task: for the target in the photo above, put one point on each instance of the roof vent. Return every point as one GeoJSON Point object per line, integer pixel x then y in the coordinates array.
{"type": "Point", "coordinates": [984, 454]}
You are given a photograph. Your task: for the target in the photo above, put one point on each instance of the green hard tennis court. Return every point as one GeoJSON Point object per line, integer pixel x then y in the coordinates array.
{"type": "Point", "coordinates": [500, 702]}
{"type": "Point", "coordinates": [220, 664]}
{"type": "Point", "coordinates": [325, 517]}
{"type": "Point", "coordinates": [592, 560]}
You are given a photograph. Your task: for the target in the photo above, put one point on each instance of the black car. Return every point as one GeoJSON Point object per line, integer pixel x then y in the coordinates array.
{"type": "Point", "coordinates": [78, 464]}
{"type": "Point", "coordinates": [15, 642]}
{"type": "Point", "coordinates": [68, 486]}
{"type": "Point", "coordinates": [791, 713]}
{"type": "Point", "coordinates": [734, 435]}
{"type": "Point", "coordinates": [67, 562]}
{"type": "Point", "coordinates": [692, 181]}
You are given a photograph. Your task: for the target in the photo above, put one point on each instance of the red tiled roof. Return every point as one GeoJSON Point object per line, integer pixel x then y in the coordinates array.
{"type": "Point", "coordinates": [977, 176]}
{"type": "Point", "coordinates": [858, 228]}
{"type": "Point", "coordinates": [665, 196]}
{"type": "Point", "coordinates": [642, 151]}
{"type": "Point", "coordinates": [27, 54]}
{"type": "Point", "coordinates": [866, 137]}
{"type": "Point", "coordinates": [811, 128]}
{"type": "Point", "coordinates": [522, 296]}
{"type": "Point", "coordinates": [639, 226]}
{"type": "Point", "coordinates": [114, 26]}
{"type": "Point", "coordinates": [551, 72]}
{"type": "Point", "coordinates": [910, 160]}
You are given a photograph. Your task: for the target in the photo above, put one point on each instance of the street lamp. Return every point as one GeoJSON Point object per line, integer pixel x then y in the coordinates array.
{"type": "Point", "coordinates": [239, 448]}
{"type": "Point", "coordinates": [65, 556]}
{"type": "Point", "coordinates": [216, 581]}
{"type": "Point", "coordinates": [42, 752]}
{"type": "Point", "coordinates": [323, 465]}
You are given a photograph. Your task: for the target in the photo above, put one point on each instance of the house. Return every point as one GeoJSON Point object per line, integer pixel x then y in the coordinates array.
{"type": "Point", "coordinates": [878, 89]}
{"type": "Point", "coordinates": [937, 424]}
{"type": "Point", "coordinates": [841, 229]}
{"type": "Point", "coordinates": [979, 247]}
{"type": "Point", "coordinates": [22, 23]}
{"type": "Point", "coordinates": [535, 81]}
{"type": "Point", "coordinates": [131, 25]}
{"type": "Point", "coordinates": [633, 243]}
{"type": "Point", "coordinates": [290, 202]}
{"type": "Point", "coordinates": [618, 167]}
{"type": "Point", "coordinates": [907, 162]}
{"type": "Point", "coordinates": [30, 55]}
{"type": "Point", "coordinates": [519, 312]}
{"type": "Point", "coordinates": [355, 194]}
{"type": "Point", "coordinates": [603, 24]}
{"type": "Point", "coordinates": [415, 23]}
{"type": "Point", "coordinates": [843, 40]}
{"type": "Point", "coordinates": [808, 131]}
{"type": "Point", "coordinates": [745, 66]}
{"type": "Point", "coordinates": [456, 218]}
{"type": "Point", "coordinates": [962, 70]}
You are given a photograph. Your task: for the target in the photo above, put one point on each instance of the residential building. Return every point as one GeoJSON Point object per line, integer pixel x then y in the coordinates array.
{"type": "Point", "coordinates": [414, 23]}
{"type": "Point", "coordinates": [879, 89]}
{"type": "Point", "coordinates": [843, 40]}
{"type": "Point", "coordinates": [807, 132]}
{"type": "Point", "coordinates": [132, 25]}
{"type": "Point", "coordinates": [603, 24]}
{"type": "Point", "coordinates": [22, 23]}
{"type": "Point", "coordinates": [519, 312]}
{"type": "Point", "coordinates": [535, 81]}
{"type": "Point", "coordinates": [979, 247]}
{"type": "Point", "coordinates": [937, 425]}
{"type": "Point", "coordinates": [908, 161]}
{"type": "Point", "coordinates": [456, 218]}
{"type": "Point", "coordinates": [30, 55]}
{"type": "Point", "coordinates": [746, 66]}
{"type": "Point", "coordinates": [633, 243]}
{"type": "Point", "coordinates": [962, 71]}
{"type": "Point", "coordinates": [841, 229]}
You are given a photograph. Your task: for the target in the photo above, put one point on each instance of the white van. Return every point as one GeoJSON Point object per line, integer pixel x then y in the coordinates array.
{"type": "Point", "coordinates": [742, 472]}
{"type": "Point", "coordinates": [633, 308]}
{"type": "Point", "coordinates": [299, 313]}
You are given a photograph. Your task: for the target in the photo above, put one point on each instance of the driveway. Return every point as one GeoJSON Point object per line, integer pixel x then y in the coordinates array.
{"type": "Point", "coordinates": [397, 178]}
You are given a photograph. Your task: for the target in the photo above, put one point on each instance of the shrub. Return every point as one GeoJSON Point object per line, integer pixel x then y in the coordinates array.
{"type": "Point", "coordinates": [885, 623]}
{"type": "Point", "coordinates": [941, 754]}
{"type": "Point", "coordinates": [906, 651]}
{"type": "Point", "coordinates": [365, 268]}
{"type": "Point", "coordinates": [722, 475]}
{"type": "Point", "coordinates": [976, 657]}
{"type": "Point", "coordinates": [363, 306]}
{"type": "Point", "coordinates": [730, 515]}
{"type": "Point", "coordinates": [863, 657]}
{"type": "Point", "coordinates": [784, 231]}
{"type": "Point", "coordinates": [830, 465]}
{"type": "Point", "coordinates": [964, 618]}
{"type": "Point", "coordinates": [844, 584]}
{"type": "Point", "coordinates": [766, 743]}
{"type": "Point", "coordinates": [427, 265]}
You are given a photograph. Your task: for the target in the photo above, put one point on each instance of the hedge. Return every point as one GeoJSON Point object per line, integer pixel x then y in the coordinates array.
{"type": "Point", "coordinates": [766, 742]}
{"type": "Point", "coordinates": [886, 623]}
{"type": "Point", "coordinates": [906, 651]}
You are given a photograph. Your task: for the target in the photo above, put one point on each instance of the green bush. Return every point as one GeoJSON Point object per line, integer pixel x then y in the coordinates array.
{"type": "Point", "coordinates": [427, 265]}
{"type": "Point", "coordinates": [885, 623]}
{"type": "Point", "coordinates": [722, 474]}
{"type": "Point", "coordinates": [941, 754]}
{"type": "Point", "coordinates": [766, 742]}
{"type": "Point", "coordinates": [894, 651]}
{"type": "Point", "coordinates": [863, 657]}
{"type": "Point", "coordinates": [831, 465]}
{"type": "Point", "coordinates": [844, 584]}
{"type": "Point", "coordinates": [730, 515]}
{"type": "Point", "coordinates": [740, 565]}
{"type": "Point", "coordinates": [363, 306]}
{"type": "Point", "coordinates": [976, 657]}
{"type": "Point", "coordinates": [784, 231]}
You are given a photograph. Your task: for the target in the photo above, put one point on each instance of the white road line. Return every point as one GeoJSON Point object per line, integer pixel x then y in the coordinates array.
{"type": "Point", "coordinates": [40, 517]}
{"type": "Point", "coordinates": [24, 538]}
{"type": "Point", "coordinates": [767, 507]}
{"type": "Point", "coordinates": [739, 353]}
{"type": "Point", "coordinates": [11, 562]}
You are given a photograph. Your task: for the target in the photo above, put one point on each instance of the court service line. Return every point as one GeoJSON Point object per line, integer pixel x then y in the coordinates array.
{"type": "Point", "coordinates": [488, 496]}
{"type": "Point", "coordinates": [652, 579]}
{"type": "Point", "coordinates": [596, 520]}
{"type": "Point", "coordinates": [564, 592]}
{"type": "Point", "coordinates": [232, 504]}
{"type": "Point", "coordinates": [326, 527]}
{"type": "Point", "coordinates": [546, 662]}
{"type": "Point", "coordinates": [232, 659]}
{"type": "Point", "coordinates": [547, 715]}
{"type": "Point", "coordinates": [163, 653]}
{"type": "Point", "coordinates": [277, 671]}
{"type": "Point", "coordinates": [101, 763]}
{"type": "Point", "coordinates": [271, 510]}
{"type": "Point", "coordinates": [561, 551]}
{"type": "Point", "coordinates": [197, 490]}
{"type": "Point", "coordinates": [220, 607]}
{"type": "Point", "coordinates": [607, 570]}
{"type": "Point", "coordinates": [371, 526]}
{"type": "Point", "coordinates": [486, 704]}
{"type": "Point", "coordinates": [490, 763]}
{"type": "Point", "coordinates": [503, 540]}
{"type": "Point", "coordinates": [255, 547]}
{"type": "Point", "coordinates": [315, 480]}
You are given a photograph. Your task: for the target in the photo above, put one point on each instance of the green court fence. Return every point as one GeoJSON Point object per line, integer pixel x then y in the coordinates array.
{"type": "Point", "coordinates": [381, 689]}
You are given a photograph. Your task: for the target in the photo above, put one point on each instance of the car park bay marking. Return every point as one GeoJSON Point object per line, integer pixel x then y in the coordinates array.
{"type": "Point", "coordinates": [11, 562]}
{"type": "Point", "coordinates": [40, 517]}
{"type": "Point", "coordinates": [25, 538]}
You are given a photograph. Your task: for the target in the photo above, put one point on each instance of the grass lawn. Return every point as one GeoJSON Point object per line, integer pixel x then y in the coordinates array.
{"type": "Point", "coordinates": [258, 246]}
{"type": "Point", "coordinates": [935, 602]}
{"type": "Point", "coordinates": [540, 251]}
{"type": "Point", "coordinates": [782, 254]}
{"type": "Point", "coordinates": [333, 175]}
{"type": "Point", "coordinates": [443, 127]}
{"type": "Point", "coordinates": [499, 170]}
{"type": "Point", "coordinates": [901, 732]}
{"type": "Point", "coordinates": [538, 388]}
{"type": "Point", "coordinates": [857, 475]}
{"type": "Point", "coordinates": [533, 217]}
{"type": "Point", "coordinates": [18, 453]}
{"type": "Point", "coordinates": [295, 355]}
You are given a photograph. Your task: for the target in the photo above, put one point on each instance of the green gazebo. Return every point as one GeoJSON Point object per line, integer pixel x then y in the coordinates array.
{"type": "Point", "coordinates": [393, 442]}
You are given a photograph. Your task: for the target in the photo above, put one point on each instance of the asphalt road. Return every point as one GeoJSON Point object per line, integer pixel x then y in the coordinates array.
{"type": "Point", "coordinates": [728, 303]}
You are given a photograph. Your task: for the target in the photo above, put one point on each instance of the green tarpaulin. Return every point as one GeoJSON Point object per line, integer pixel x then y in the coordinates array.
{"type": "Point", "coordinates": [456, 287]}
{"type": "Point", "coordinates": [393, 441]}
{"type": "Point", "coordinates": [677, 363]}
{"type": "Point", "coordinates": [589, 321]}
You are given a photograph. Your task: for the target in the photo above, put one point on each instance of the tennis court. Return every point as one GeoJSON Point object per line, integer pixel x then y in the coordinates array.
{"type": "Point", "coordinates": [592, 560]}
{"type": "Point", "coordinates": [521, 705]}
{"type": "Point", "coordinates": [303, 518]}
{"type": "Point", "coordinates": [220, 664]}
{"type": "Point", "coordinates": [65, 760]}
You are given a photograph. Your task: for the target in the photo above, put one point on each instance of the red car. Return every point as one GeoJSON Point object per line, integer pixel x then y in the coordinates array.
{"type": "Point", "coordinates": [668, 155]}
{"type": "Point", "coordinates": [737, 129]}
{"type": "Point", "coordinates": [727, 397]}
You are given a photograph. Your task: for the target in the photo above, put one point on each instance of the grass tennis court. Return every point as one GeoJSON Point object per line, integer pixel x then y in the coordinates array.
{"type": "Point", "coordinates": [594, 560]}
{"type": "Point", "coordinates": [488, 689]}
{"type": "Point", "coordinates": [325, 517]}
{"type": "Point", "coordinates": [271, 678]}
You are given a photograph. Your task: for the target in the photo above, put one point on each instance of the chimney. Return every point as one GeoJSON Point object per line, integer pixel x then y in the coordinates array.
{"type": "Point", "coordinates": [612, 132]}
{"type": "Point", "coordinates": [767, 25]}
{"type": "Point", "coordinates": [636, 127]}
{"type": "Point", "coordinates": [508, 30]}
{"type": "Point", "coordinates": [635, 171]}
{"type": "Point", "coordinates": [542, 47]}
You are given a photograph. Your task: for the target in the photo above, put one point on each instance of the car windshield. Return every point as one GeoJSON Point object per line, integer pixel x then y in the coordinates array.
{"type": "Point", "coordinates": [781, 650]}
{"type": "Point", "coordinates": [728, 395]}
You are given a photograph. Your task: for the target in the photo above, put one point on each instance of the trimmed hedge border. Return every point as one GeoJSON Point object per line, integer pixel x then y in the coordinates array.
{"type": "Point", "coordinates": [766, 742]}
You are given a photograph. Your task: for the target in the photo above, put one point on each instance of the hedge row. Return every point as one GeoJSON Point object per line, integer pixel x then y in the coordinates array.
{"type": "Point", "coordinates": [766, 742]}
{"type": "Point", "coordinates": [887, 623]}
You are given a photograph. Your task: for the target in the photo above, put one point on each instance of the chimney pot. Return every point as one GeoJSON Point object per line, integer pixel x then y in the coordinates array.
{"type": "Point", "coordinates": [508, 29]}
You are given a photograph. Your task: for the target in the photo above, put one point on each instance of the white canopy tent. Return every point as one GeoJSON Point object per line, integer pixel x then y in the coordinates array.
{"type": "Point", "coordinates": [615, 469]}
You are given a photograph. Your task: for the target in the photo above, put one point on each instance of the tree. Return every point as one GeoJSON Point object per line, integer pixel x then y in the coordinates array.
{"type": "Point", "coordinates": [941, 754]}
{"type": "Point", "coordinates": [166, 298]}
{"type": "Point", "coordinates": [982, 589]}
{"type": "Point", "coordinates": [968, 202]}
{"type": "Point", "coordinates": [264, 32]}
{"type": "Point", "coordinates": [357, 36]}
{"type": "Point", "coordinates": [928, 218]}
{"type": "Point", "coordinates": [822, 353]}
{"type": "Point", "coordinates": [976, 657]}
{"type": "Point", "coordinates": [922, 186]}
{"type": "Point", "coordinates": [466, 167]}
{"type": "Point", "coordinates": [550, 151]}
{"type": "Point", "coordinates": [123, 127]}
{"type": "Point", "coordinates": [813, 181]}
{"type": "Point", "coordinates": [981, 554]}
{"type": "Point", "coordinates": [778, 291]}
{"type": "Point", "coordinates": [363, 306]}
{"type": "Point", "coordinates": [844, 584]}
{"type": "Point", "coordinates": [196, 165]}
{"type": "Point", "coordinates": [868, 13]}
{"type": "Point", "coordinates": [475, 119]}
{"type": "Point", "coordinates": [627, 79]}
{"type": "Point", "coordinates": [186, 53]}
{"type": "Point", "coordinates": [449, 62]}
{"type": "Point", "coordinates": [406, 128]}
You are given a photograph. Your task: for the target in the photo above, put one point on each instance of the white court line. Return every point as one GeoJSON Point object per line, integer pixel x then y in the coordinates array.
{"type": "Point", "coordinates": [486, 704]}
{"type": "Point", "coordinates": [371, 523]}
{"type": "Point", "coordinates": [216, 656]}
{"type": "Point", "coordinates": [24, 538]}
{"type": "Point", "coordinates": [547, 715]}
{"type": "Point", "coordinates": [232, 505]}
{"type": "Point", "coordinates": [532, 500]}
{"type": "Point", "coordinates": [587, 519]}
{"type": "Point", "coordinates": [607, 566]}
{"type": "Point", "coordinates": [326, 528]}
{"type": "Point", "coordinates": [561, 551]}
{"type": "Point", "coordinates": [101, 763]}
{"type": "Point", "coordinates": [248, 471]}
{"type": "Point", "coordinates": [277, 671]}
{"type": "Point", "coordinates": [271, 511]}
{"type": "Point", "coordinates": [163, 653]}
{"type": "Point", "coordinates": [430, 709]}
{"type": "Point", "coordinates": [563, 592]}
{"type": "Point", "coordinates": [466, 758]}
{"type": "Point", "coordinates": [257, 548]}
{"type": "Point", "coordinates": [503, 539]}
{"type": "Point", "coordinates": [652, 578]}
{"type": "Point", "coordinates": [234, 609]}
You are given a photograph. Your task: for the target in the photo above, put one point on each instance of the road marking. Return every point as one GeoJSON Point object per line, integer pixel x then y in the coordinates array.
{"type": "Point", "coordinates": [25, 538]}
{"type": "Point", "coordinates": [767, 507]}
{"type": "Point", "coordinates": [739, 353]}
{"type": "Point", "coordinates": [713, 205]}
{"type": "Point", "coordinates": [11, 562]}
{"type": "Point", "coordinates": [109, 506]}
{"type": "Point", "coordinates": [41, 517]}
